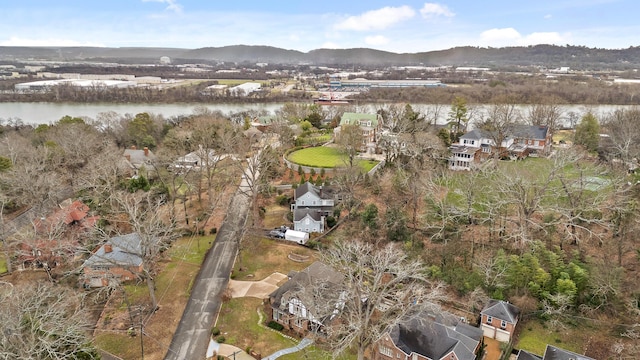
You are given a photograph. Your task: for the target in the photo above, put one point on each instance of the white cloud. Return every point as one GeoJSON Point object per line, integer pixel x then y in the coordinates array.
{"type": "Point", "coordinates": [544, 38]}
{"type": "Point", "coordinates": [172, 5]}
{"type": "Point", "coordinates": [511, 37]}
{"type": "Point", "coordinates": [330, 45]}
{"type": "Point", "coordinates": [376, 40]}
{"type": "Point", "coordinates": [15, 41]}
{"type": "Point", "coordinates": [548, 16]}
{"type": "Point", "coordinates": [377, 19]}
{"type": "Point", "coordinates": [432, 10]}
{"type": "Point", "coordinates": [500, 35]}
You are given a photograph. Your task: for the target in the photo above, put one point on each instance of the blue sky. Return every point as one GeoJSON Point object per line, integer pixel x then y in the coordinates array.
{"type": "Point", "coordinates": [399, 26]}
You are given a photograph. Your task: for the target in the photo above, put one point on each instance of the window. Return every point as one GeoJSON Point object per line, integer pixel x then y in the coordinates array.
{"type": "Point", "coordinates": [299, 322]}
{"type": "Point", "coordinates": [385, 351]}
{"type": "Point", "coordinates": [486, 149]}
{"type": "Point", "coordinates": [503, 324]}
{"type": "Point", "coordinates": [489, 319]}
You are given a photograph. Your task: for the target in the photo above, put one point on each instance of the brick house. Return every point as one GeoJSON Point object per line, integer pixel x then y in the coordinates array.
{"type": "Point", "coordinates": [291, 304]}
{"type": "Point", "coordinates": [430, 337]}
{"type": "Point", "coordinates": [370, 124]}
{"type": "Point", "coordinates": [498, 320]}
{"type": "Point", "coordinates": [119, 260]}
{"type": "Point", "coordinates": [57, 238]}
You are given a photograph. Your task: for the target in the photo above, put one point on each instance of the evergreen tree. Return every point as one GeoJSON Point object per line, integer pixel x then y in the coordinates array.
{"type": "Point", "coordinates": [588, 132]}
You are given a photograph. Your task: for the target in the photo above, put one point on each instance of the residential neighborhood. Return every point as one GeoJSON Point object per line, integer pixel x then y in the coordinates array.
{"type": "Point", "coordinates": [246, 209]}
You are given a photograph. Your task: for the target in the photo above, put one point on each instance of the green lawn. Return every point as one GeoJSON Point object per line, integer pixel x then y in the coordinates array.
{"type": "Point", "coordinates": [238, 323]}
{"type": "Point", "coordinates": [535, 337]}
{"type": "Point", "coordinates": [326, 157]}
{"type": "Point", "coordinates": [3, 265]}
{"type": "Point", "coordinates": [319, 156]}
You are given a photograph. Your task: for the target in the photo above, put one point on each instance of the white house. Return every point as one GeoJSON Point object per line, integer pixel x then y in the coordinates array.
{"type": "Point", "coordinates": [311, 205]}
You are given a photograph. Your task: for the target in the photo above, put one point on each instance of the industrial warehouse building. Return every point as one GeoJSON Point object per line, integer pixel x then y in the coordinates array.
{"type": "Point", "coordinates": [45, 85]}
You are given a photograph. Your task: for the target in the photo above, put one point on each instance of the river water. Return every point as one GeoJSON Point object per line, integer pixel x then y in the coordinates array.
{"type": "Point", "coordinates": [46, 113]}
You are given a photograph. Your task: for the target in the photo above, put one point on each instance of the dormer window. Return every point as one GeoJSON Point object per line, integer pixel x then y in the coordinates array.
{"type": "Point", "coordinates": [489, 319]}
{"type": "Point", "coordinates": [503, 324]}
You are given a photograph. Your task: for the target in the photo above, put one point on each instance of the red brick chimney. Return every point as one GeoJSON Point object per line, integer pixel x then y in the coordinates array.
{"type": "Point", "coordinates": [146, 151]}
{"type": "Point", "coordinates": [107, 248]}
{"type": "Point", "coordinates": [133, 147]}
{"type": "Point", "coordinates": [128, 157]}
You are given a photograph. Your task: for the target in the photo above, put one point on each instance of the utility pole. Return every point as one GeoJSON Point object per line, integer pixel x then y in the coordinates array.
{"type": "Point", "coordinates": [141, 339]}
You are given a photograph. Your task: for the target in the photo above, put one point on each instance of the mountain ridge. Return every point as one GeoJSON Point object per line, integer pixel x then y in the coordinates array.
{"type": "Point", "coordinates": [538, 55]}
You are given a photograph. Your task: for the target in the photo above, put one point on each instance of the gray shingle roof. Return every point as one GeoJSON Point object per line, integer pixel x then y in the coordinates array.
{"type": "Point", "coordinates": [501, 310]}
{"type": "Point", "coordinates": [138, 158]}
{"type": "Point", "coordinates": [429, 338]}
{"type": "Point", "coordinates": [521, 131]}
{"type": "Point", "coordinates": [125, 251]}
{"type": "Point", "coordinates": [525, 355]}
{"type": "Point", "coordinates": [316, 272]}
{"type": "Point", "coordinates": [299, 214]}
{"type": "Point", "coordinates": [554, 353]}
{"type": "Point", "coordinates": [321, 192]}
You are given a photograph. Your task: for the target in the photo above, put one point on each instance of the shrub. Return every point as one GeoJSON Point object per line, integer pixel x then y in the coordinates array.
{"type": "Point", "coordinates": [215, 331]}
{"type": "Point", "coordinates": [213, 230]}
{"type": "Point", "coordinates": [331, 221]}
{"type": "Point", "coordinates": [282, 200]}
{"type": "Point", "coordinates": [221, 339]}
{"type": "Point", "coordinates": [275, 325]}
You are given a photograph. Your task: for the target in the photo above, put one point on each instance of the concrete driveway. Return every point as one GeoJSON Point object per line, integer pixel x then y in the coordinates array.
{"type": "Point", "coordinates": [258, 289]}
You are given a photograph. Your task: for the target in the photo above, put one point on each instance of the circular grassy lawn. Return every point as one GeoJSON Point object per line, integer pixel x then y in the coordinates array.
{"type": "Point", "coordinates": [319, 156]}
{"type": "Point", "coordinates": [325, 157]}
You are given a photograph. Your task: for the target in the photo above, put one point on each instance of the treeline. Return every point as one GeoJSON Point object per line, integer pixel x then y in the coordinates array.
{"type": "Point", "coordinates": [178, 94]}
{"type": "Point", "coordinates": [525, 91]}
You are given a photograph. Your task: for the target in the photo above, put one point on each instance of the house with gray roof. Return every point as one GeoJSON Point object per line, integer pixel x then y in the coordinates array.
{"type": "Point", "coordinates": [516, 141]}
{"type": "Point", "coordinates": [498, 320]}
{"type": "Point", "coordinates": [556, 353]}
{"type": "Point", "coordinates": [552, 353]}
{"type": "Point", "coordinates": [292, 304]}
{"type": "Point", "coordinates": [117, 260]}
{"type": "Point", "coordinates": [308, 220]}
{"type": "Point", "coordinates": [310, 207]}
{"type": "Point", "coordinates": [429, 337]}
{"type": "Point", "coordinates": [139, 162]}
{"type": "Point", "coordinates": [525, 355]}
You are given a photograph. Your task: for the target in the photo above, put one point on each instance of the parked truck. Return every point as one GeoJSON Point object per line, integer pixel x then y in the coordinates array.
{"type": "Point", "coordinates": [299, 237]}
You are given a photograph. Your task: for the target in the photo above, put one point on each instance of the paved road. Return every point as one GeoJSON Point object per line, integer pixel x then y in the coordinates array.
{"type": "Point", "coordinates": [191, 339]}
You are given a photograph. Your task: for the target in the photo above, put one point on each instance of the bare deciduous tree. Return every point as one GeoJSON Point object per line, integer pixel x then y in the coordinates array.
{"type": "Point", "coordinates": [381, 287]}
{"type": "Point", "coordinates": [141, 214]}
{"type": "Point", "coordinates": [43, 321]}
